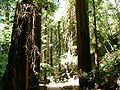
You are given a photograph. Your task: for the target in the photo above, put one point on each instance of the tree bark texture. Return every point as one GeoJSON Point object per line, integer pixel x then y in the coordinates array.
{"type": "Point", "coordinates": [83, 44]}
{"type": "Point", "coordinates": [24, 54]}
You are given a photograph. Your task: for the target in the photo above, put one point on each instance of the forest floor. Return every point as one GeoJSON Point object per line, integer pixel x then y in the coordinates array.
{"type": "Point", "coordinates": [55, 88]}
{"type": "Point", "coordinates": [72, 83]}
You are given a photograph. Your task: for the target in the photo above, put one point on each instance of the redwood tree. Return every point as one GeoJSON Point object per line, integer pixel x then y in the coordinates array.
{"type": "Point", "coordinates": [83, 44]}
{"type": "Point", "coordinates": [24, 54]}
{"type": "Point", "coordinates": [96, 60]}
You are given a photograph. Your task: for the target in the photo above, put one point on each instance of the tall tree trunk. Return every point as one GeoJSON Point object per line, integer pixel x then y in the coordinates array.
{"type": "Point", "coordinates": [37, 42]}
{"type": "Point", "coordinates": [83, 44]}
{"type": "Point", "coordinates": [48, 46]}
{"type": "Point", "coordinates": [84, 61]}
{"type": "Point", "coordinates": [95, 37]}
{"type": "Point", "coordinates": [95, 43]}
{"type": "Point", "coordinates": [51, 53]}
{"type": "Point", "coordinates": [45, 51]}
{"type": "Point", "coordinates": [24, 53]}
{"type": "Point", "coordinates": [59, 47]}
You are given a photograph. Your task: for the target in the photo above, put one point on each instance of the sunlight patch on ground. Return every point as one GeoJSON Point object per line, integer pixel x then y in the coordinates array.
{"type": "Point", "coordinates": [71, 82]}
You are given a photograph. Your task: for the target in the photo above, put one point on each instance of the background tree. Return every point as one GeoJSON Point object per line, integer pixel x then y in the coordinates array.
{"type": "Point", "coordinates": [96, 60]}
{"type": "Point", "coordinates": [107, 25]}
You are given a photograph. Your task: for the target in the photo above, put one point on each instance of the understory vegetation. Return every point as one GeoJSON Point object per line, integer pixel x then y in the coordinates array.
{"type": "Point", "coordinates": [59, 59]}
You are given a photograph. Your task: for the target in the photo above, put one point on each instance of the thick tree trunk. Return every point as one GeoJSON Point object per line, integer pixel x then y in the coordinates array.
{"type": "Point", "coordinates": [84, 61]}
{"type": "Point", "coordinates": [83, 44]}
{"type": "Point", "coordinates": [24, 53]}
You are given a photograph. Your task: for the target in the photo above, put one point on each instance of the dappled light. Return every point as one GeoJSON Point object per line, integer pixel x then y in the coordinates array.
{"type": "Point", "coordinates": [59, 44]}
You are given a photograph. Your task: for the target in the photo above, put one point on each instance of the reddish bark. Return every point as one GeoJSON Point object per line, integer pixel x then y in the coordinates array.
{"type": "Point", "coordinates": [83, 44]}
{"type": "Point", "coordinates": [24, 54]}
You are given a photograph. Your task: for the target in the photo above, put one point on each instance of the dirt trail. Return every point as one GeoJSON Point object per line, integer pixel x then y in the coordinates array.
{"type": "Point", "coordinates": [55, 88]}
